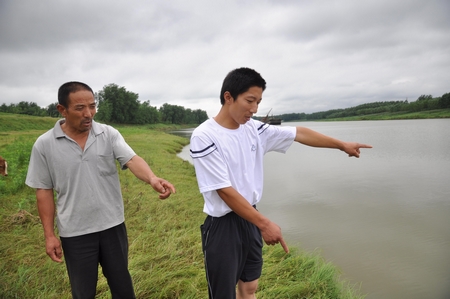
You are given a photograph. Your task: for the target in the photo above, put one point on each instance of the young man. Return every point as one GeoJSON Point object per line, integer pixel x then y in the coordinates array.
{"type": "Point", "coordinates": [77, 160]}
{"type": "Point", "coordinates": [228, 152]}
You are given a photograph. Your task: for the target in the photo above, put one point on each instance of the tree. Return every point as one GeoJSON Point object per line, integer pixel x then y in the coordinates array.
{"type": "Point", "coordinates": [29, 108]}
{"type": "Point", "coordinates": [444, 101]}
{"type": "Point", "coordinates": [174, 114]}
{"type": "Point", "coordinates": [425, 97]}
{"type": "Point", "coordinates": [4, 108]}
{"type": "Point", "coordinates": [147, 114]}
{"type": "Point", "coordinates": [52, 111]}
{"type": "Point", "coordinates": [422, 102]}
{"type": "Point", "coordinates": [199, 116]}
{"type": "Point", "coordinates": [119, 105]}
{"type": "Point", "coordinates": [104, 111]}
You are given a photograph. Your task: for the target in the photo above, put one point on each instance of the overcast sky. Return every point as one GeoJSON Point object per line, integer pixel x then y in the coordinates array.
{"type": "Point", "coordinates": [314, 55]}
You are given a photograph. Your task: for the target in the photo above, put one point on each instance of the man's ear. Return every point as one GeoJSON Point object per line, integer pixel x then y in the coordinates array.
{"type": "Point", "coordinates": [61, 109]}
{"type": "Point", "coordinates": [228, 98]}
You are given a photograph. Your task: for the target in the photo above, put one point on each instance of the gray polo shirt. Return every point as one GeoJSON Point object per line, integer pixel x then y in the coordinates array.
{"type": "Point", "coordinates": [89, 198]}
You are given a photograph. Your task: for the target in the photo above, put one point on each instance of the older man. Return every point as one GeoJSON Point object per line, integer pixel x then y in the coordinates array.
{"type": "Point", "coordinates": [77, 160]}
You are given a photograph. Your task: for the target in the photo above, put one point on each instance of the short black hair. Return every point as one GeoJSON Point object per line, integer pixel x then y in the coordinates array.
{"type": "Point", "coordinates": [239, 81]}
{"type": "Point", "coordinates": [68, 88]}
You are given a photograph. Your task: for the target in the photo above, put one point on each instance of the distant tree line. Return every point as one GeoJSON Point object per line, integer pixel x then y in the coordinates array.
{"type": "Point", "coordinates": [30, 108]}
{"type": "Point", "coordinates": [423, 103]}
{"type": "Point", "coordinates": [117, 105]}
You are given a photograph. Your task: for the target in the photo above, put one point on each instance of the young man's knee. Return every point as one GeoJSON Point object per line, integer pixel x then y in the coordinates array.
{"type": "Point", "coordinates": [247, 289]}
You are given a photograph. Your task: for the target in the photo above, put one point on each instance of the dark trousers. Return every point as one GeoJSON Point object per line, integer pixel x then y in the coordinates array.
{"type": "Point", "coordinates": [232, 249]}
{"type": "Point", "coordinates": [83, 254]}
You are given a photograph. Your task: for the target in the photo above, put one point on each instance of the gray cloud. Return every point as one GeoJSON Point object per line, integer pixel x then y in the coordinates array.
{"type": "Point", "coordinates": [314, 56]}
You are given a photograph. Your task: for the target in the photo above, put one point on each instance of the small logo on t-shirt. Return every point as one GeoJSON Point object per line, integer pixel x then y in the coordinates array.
{"type": "Point", "coordinates": [253, 147]}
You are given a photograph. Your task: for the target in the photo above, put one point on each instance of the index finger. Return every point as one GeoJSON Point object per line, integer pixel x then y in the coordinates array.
{"type": "Point", "coordinates": [284, 245]}
{"type": "Point", "coordinates": [364, 146]}
{"type": "Point", "coordinates": [168, 185]}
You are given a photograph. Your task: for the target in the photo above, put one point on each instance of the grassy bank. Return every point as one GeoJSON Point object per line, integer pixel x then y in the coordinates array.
{"type": "Point", "coordinates": [441, 113]}
{"type": "Point", "coordinates": [165, 247]}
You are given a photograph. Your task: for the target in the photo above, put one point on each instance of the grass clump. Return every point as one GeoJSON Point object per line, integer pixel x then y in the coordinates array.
{"type": "Point", "coordinates": [301, 275]}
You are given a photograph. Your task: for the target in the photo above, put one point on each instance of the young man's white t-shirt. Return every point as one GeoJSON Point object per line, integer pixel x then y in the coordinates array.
{"type": "Point", "coordinates": [234, 158]}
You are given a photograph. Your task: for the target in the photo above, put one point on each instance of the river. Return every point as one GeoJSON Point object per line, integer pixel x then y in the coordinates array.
{"type": "Point", "coordinates": [382, 219]}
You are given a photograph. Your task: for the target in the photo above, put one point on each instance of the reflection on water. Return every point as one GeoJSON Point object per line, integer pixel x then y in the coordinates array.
{"type": "Point", "coordinates": [383, 219]}
{"type": "Point", "coordinates": [183, 133]}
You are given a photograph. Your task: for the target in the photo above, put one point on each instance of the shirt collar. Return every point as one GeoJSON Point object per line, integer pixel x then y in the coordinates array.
{"type": "Point", "coordinates": [58, 132]}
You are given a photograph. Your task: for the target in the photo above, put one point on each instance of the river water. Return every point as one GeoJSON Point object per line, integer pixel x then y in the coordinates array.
{"type": "Point", "coordinates": [382, 219]}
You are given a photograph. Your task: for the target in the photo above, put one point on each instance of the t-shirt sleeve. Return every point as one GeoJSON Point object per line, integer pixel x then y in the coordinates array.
{"type": "Point", "coordinates": [276, 138]}
{"type": "Point", "coordinates": [38, 175]}
{"type": "Point", "coordinates": [122, 151]}
{"type": "Point", "coordinates": [210, 167]}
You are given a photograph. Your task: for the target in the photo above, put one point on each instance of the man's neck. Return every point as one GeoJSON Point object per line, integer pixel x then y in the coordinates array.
{"type": "Point", "coordinates": [225, 120]}
{"type": "Point", "coordinates": [79, 137]}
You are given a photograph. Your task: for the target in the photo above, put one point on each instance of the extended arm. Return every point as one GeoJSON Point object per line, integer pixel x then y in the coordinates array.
{"type": "Point", "coordinates": [312, 138]}
{"type": "Point", "coordinates": [46, 209]}
{"type": "Point", "coordinates": [142, 171]}
{"type": "Point", "coordinates": [270, 231]}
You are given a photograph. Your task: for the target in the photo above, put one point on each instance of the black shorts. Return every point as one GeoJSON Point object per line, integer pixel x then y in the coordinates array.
{"type": "Point", "coordinates": [232, 249]}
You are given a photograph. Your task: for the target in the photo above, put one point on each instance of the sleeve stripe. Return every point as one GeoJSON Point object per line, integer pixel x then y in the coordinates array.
{"type": "Point", "coordinates": [262, 128]}
{"type": "Point", "coordinates": [204, 152]}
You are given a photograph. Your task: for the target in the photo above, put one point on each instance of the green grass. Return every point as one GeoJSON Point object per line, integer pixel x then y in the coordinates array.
{"type": "Point", "coordinates": [22, 122]}
{"type": "Point", "coordinates": [440, 113]}
{"type": "Point", "coordinates": [165, 248]}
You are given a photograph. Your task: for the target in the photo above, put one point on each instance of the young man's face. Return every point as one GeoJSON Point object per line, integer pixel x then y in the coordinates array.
{"type": "Point", "coordinates": [246, 105]}
{"type": "Point", "coordinates": [80, 112]}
